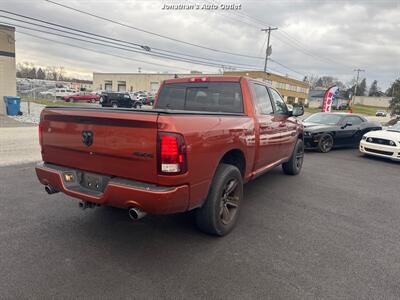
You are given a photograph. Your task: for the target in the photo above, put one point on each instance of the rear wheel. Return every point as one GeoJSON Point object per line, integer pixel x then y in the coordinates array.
{"type": "Point", "coordinates": [325, 143]}
{"type": "Point", "coordinates": [294, 165]}
{"type": "Point", "coordinates": [219, 214]}
{"type": "Point", "coordinates": [93, 101]}
{"type": "Point", "coordinates": [114, 105]}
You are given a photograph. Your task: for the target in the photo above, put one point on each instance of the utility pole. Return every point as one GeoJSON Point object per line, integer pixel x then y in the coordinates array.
{"type": "Point", "coordinates": [268, 51]}
{"type": "Point", "coordinates": [355, 87]}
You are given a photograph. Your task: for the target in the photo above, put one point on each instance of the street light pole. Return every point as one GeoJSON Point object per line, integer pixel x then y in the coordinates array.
{"type": "Point", "coordinates": [268, 50]}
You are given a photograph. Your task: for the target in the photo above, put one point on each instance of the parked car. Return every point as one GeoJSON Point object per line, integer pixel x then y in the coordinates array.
{"type": "Point", "coordinates": [324, 131]}
{"type": "Point", "coordinates": [381, 113]}
{"type": "Point", "coordinates": [343, 106]}
{"type": "Point", "coordinates": [148, 100]}
{"type": "Point", "coordinates": [58, 93]}
{"type": "Point", "coordinates": [204, 139]}
{"type": "Point", "coordinates": [118, 99]}
{"type": "Point", "coordinates": [382, 143]}
{"type": "Point", "coordinates": [49, 93]}
{"type": "Point", "coordinates": [82, 97]}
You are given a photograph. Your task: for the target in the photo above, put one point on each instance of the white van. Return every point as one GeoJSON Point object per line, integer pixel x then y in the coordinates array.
{"type": "Point", "coordinates": [58, 92]}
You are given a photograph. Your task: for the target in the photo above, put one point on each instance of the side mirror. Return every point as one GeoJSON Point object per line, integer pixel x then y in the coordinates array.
{"type": "Point", "coordinates": [297, 111]}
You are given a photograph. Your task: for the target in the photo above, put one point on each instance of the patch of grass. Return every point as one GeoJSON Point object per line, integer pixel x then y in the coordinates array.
{"type": "Point", "coordinates": [367, 110]}
{"type": "Point", "coordinates": [357, 108]}
{"type": "Point", "coordinates": [311, 110]}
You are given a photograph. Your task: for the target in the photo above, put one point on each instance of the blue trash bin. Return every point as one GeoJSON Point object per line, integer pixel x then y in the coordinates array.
{"type": "Point", "coordinates": [13, 105]}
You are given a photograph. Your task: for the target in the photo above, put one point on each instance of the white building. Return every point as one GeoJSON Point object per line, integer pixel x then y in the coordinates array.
{"type": "Point", "coordinates": [7, 64]}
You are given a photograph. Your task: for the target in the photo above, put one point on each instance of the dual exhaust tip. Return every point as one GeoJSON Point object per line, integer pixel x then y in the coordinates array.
{"type": "Point", "coordinates": [50, 190]}
{"type": "Point", "coordinates": [134, 213]}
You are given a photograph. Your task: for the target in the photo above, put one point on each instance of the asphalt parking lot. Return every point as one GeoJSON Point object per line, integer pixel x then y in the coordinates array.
{"type": "Point", "coordinates": [330, 233]}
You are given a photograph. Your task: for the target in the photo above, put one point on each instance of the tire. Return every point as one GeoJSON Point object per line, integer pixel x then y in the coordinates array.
{"type": "Point", "coordinates": [114, 105]}
{"type": "Point", "coordinates": [219, 213]}
{"type": "Point", "coordinates": [295, 163]}
{"type": "Point", "coordinates": [325, 143]}
{"type": "Point", "coordinates": [71, 99]}
{"type": "Point", "coordinates": [92, 100]}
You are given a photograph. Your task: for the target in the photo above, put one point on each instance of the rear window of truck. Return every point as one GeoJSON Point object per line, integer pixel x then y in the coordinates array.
{"type": "Point", "coordinates": [202, 96]}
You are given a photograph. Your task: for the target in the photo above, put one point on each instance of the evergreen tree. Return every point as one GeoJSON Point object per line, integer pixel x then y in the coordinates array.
{"type": "Point", "coordinates": [362, 88]}
{"type": "Point", "coordinates": [394, 89]}
{"type": "Point", "coordinates": [40, 74]}
{"type": "Point", "coordinates": [32, 73]}
{"type": "Point", "coordinates": [374, 90]}
{"type": "Point", "coordinates": [394, 105]}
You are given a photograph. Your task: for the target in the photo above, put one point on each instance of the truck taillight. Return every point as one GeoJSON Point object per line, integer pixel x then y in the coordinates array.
{"type": "Point", "coordinates": [198, 79]}
{"type": "Point", "coordinates": [171, 154]}
{"type": "Point", "coordinates": [40, 130]}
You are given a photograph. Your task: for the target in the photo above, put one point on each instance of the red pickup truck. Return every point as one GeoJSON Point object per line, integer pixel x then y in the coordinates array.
{"type": "Point", "coordinates": [203, 139]}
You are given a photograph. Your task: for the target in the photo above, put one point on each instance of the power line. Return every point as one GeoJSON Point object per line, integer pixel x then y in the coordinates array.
{"type": "Point", "coordinates": [288, 39]}
{"type": "Point", "coordinates": [147, 31]}
{"type": "Point", "coordinates": [97, 36]}
{"type": "Point", "coordinates": [147, 48]}
{"type": "Point", "coordinates": [236, 16]}
{"type": "Point", "coordinates": [117, 42]}
{"type": "Point", "coordinates": [125, 49]}
{"type": "Point", "coordinates": [297, 45]}
{"type": "Point", "coordinates": [282, 65]}
{"type": "Point", "coordinates": [109, 54]}
{"type": "Point", "coordinates": [97, 51]}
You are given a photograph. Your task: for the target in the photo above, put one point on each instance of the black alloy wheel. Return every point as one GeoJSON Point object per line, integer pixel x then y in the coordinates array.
{"type": "Point", "coordinates": [295, 163]}
{"type": "Point", "coordinates": [220, 211]}
{"type": "Point", "coordinates": [325, 143]}
{"type": "Point", "coordinates": [229, 202]}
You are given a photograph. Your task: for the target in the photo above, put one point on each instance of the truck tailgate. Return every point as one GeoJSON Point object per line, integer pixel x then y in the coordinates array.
{"type": "Point", "coordinates": [122, 142]}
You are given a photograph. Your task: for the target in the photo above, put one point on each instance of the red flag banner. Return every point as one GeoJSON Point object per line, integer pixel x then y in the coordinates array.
{"type": "Point", "coordinates": [329, 96]}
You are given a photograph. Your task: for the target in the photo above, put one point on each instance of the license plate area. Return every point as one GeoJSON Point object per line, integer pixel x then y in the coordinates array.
{"type": "Point", "coordinates": [93, 182]}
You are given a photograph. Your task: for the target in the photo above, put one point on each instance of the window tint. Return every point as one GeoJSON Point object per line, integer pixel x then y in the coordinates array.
{"type": "Point", "coordinates": [324, 118]}
{"type": "Point", "coordinates": [280, 106]}
{"type": "Point", "coordinates": [353, 120]}
{"type": "Point", "coordinates": [172, 97]}
{"type": "Point", "coordinates": [262, 101]}
{"type": "Point", "coordinates": [202, 96]}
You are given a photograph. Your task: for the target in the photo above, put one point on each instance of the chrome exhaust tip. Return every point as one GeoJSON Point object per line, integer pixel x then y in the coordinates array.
{"type": "Point", "coordinates": [50, 190]}
{"type": "Point", "coordinates": [136, 214]}
{"type": "Point", "coordinates": [85, 204]}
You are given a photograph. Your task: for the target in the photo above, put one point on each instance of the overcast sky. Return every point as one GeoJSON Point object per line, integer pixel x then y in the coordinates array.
{"type": "Point", "coordinates": [314, 37]}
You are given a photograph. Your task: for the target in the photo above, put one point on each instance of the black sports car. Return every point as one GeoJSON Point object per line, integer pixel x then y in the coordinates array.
{"type": "Point", "coordinates": [324, 131]}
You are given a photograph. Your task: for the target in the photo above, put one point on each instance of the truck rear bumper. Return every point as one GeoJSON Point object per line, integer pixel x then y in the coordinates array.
{"type": "Point", "coordinates": [118, 192]}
